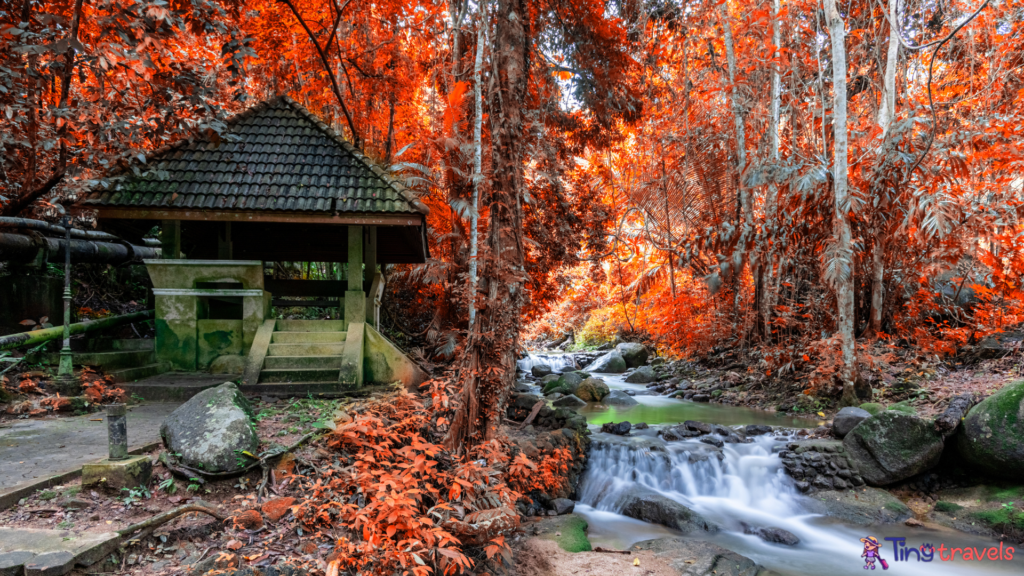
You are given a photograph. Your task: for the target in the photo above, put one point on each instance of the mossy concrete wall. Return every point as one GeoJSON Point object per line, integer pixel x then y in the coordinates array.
{"type": "Point", "coordinates": [176, 336]}
{"type": "Point", "coordinates": [216, 338]}
{"type": "Point", "coordinates": [186, 273]}
{"type": "Point", "coordinates": [384, 363]}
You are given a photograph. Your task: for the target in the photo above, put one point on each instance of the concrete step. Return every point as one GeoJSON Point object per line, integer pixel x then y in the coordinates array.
{"type": "Point", "coordinates": [133, 344]}
{"type": "Point", "coordinates": [310, 325]}
{"type": "Point", "coordinates": [307, 337]}
{"type": "Point", "coordinates": [275, 362]}
{"type": "Point", "coordinates": [286, 375]}
{"type": "Point", "coordinates": [110, 360]}
{"type": "Point", "coordinates": [306, 349]}
{"type": "Point", "coordinates": [136, 373]}
{"type": "Point", "coordinates": [307, 389]}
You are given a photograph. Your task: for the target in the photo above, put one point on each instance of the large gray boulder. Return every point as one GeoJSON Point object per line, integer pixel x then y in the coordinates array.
{"type": "Point", "coordinates": [993, 433]}
{"type": "Point", "coordinates": [634, 354]}
{"type": "Point", "coordinates": [847, 419]}
{"type": "Point", "coordinates": [642, 375]}
{"type": "Point", "coordinates": [592, 390]}
{"type": "Point", "coordinates": [619, 398]}
{"type": "Point", "coordinates": [212, 429]}
{"type": "Point", "coordinates": [649, 506]}
{"type": "Point", "coordinates": [566, 384]}
{"type": "Point", "coordinates": [571, 402]}
{"type": "Point", "coordinates": [893, 446]}
{"type": "Point", "coordinates": [862, 507]}
{"type": "Point", "coordinates": [540, 370]}
{"type": "Point", "coordinates": [610, 363]}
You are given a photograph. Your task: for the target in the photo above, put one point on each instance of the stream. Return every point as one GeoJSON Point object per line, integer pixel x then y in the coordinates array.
{"type": "Point", "coordinates": [747, 485]}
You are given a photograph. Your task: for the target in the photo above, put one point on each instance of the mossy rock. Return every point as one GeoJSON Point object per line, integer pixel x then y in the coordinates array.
{"type": "Point", "coordinates": [993, 433]}
{"type": "Point", "coordinates": [903, 407]}
{"type": "Point", "coordinates": [716, 393]}
{"type": "Point", "coordinates": [893, 446]}
{"type": "Point", "coordinates": [568, 531]}
{"type": "Point", "coordinates": [947, 507]}
{"type": "Point", "coordinates": [566, 384]}
{"type": "Point", "coordinates": [1004, 519]}
{"type": "Point", "coordinates": [872, 408]}
{"type": "Point", "coordinates": [861, 506]}
{"type": "Point", "coordinates": [592, 390]}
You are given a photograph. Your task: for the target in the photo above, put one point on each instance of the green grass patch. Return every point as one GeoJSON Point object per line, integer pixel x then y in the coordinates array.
{"type": "Point", "coordinates": [72, 491]}
{"type": "Point", "coordinates": [947, 507]}
{"type": "Point", "coordinates": [1014, 494]}
{"type": "Point", "coordinates": [872, 408]}
{"type": "Point", "coordinates": [1001, 518]}
{"type": "Point", "coordinates": [574, 535]}
{"type": "Point", "coordinates": [903, 407]}
{"type": "Point", "coordinates": [47, 495]}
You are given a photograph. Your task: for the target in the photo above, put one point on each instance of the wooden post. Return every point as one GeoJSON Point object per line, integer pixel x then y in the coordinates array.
{"type": "Point", "coordinates": [170, 239]}
{"type": "Point", "coordinates": [224, 245]}
{"type": "Point", "coordinates": [355, 296]}
{"type": "Point", "coordinates": [370, 255]}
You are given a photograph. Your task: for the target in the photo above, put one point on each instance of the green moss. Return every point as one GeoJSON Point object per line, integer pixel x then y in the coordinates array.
{"type": "Point", "coordinates": [572, 536]}
{"type": "Point", "coordinates": [1001, 518]}
{"type": "Point", "coordinates": [903, 407]}
{"type": "Point", "coordinates": [947, 507]}
{"type": "Point", "coordinates": [716, 393]}
{"type": "Point", "coordinates": [47, 495]}
{"type": "Point", "coordinates": [872, 408]}
{"type": "Point", "coordinates": [896, 506]}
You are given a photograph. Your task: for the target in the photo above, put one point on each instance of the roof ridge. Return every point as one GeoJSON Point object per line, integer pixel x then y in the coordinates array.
{"type": "Point", "coordinates": [400, 188]}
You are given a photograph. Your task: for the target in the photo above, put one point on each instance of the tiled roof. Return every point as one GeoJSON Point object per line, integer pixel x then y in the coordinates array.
{"type": "Point", "coordinates": [276, 156]}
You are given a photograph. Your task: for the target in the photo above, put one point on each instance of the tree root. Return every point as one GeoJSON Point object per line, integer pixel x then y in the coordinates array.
{"type": "Point", "coordinates": [199, 475]}
{"type": "Point", "coordinates": [149, 525]}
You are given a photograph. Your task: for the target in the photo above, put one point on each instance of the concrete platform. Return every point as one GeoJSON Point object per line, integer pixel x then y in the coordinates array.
{"type": "Point", "coordinates": [35, 450]}
{"type": "Point", "coordinates": [51, 552]}
{"type": "Point", "coordinates": [176, 386]}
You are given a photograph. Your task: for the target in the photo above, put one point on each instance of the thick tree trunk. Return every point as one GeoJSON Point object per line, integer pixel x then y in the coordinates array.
{"type": "Point", "coordinates": [488, 366]}
{"type": "Point", "coordinates": [886, 113]}
{"type": "Point", "coordinates": [65, 85]}
{"type": "Point", "coordinates": [842, 233]}
{"type": "Point", "coordinates": [474, 217]}
{"type": "Point", "coordinates": [766, 303]}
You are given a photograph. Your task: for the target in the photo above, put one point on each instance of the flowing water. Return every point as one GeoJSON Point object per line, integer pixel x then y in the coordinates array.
{"type": "Point", "coordinates": [746, 485]}
{"type": "Point", "coordinates": [554, 360]}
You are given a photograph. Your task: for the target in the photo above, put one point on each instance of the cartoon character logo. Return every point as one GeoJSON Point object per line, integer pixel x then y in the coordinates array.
{"type": "Point", "coordinates": [870, 555]}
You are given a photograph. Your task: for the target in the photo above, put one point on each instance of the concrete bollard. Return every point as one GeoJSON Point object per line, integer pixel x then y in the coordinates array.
{"type": "Point", "coordinates": [117, 431]}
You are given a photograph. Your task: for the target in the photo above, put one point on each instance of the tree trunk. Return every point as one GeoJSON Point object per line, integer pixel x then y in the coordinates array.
{"type": "Point", "coordinates": [767, 298]}
{"type": "Point", "coordinates": [844, 251]}
{"type": "Point", "coordinates": [65, 84]}
{"type": "Point", "coordinates": [474, 217]}
{"type": "Point", "coordinates": [886, 113]}
{"type": "Point", "coordinates": [487, 368]}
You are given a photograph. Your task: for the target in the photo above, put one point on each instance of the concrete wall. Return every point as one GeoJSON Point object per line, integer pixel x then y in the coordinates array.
{"type": "Point", "coordinates": [384, 363]}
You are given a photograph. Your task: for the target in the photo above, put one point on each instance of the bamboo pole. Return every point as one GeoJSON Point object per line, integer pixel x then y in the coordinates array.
{"type": "Point", "coordinates": [47, 334]}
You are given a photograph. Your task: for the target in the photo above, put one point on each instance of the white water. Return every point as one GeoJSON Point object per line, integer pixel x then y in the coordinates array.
{"type": "Point", "coordinates": [747, 485]}
{"type": "Point", "coordinates": [555, 361]}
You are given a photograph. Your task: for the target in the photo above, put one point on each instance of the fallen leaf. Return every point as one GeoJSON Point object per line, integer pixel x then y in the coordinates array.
{"type": "Point", "coordinates": [233, 545]}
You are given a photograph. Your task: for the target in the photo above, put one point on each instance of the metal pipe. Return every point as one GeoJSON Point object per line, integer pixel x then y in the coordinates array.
{"type": "Point", "coordinates": [66, 370]}
{"type": "Point", "coordinates": [22, 248]}
{"type": "Point", "coordinates": [47, 334]}
{"type": "Point", "coordinates": [29, 224]}
{"type": "Point", "coordinates": [117, 431]}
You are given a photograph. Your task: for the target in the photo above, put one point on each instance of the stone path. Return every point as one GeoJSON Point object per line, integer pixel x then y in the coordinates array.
{"type": "Point", "coordinates": [51, 552]}
{"type": "Point", "coordinates": [35, 449]}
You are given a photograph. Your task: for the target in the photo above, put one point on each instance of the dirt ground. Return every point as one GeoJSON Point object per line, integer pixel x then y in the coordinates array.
{"type": "Point", "coordinates": [538, 557]}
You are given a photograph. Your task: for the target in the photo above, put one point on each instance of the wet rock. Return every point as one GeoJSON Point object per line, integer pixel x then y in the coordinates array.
{"type": "Point", "coordinates": [562, 506]}
{"type": "Point", "coordinates": [702, 427]}
{"type": "Point", "coordinates": [700, 558]}
{"type": "Point", "coordinates": [863, 506]}
{"type": "Point", "coordinates": [211, 429]}
{"type": "Point", "coordinates": [619, 429]}
{"type": "Point", "coordinates": [675, 433]}
{"type": "Point", "coordinates": [566, 384]}
{"type": "Point", "coordinates": [548, 379]}
{"type": "Point", "coordinates": [642, 375]}
{"type": "Point", "coordinates": [592, 390]}
{"type": "Point", "coordinates": [757, 429]}
{"type": "Point", "coordinates": [771, 534]}
{"type": "Point", "coordinates": [634, 354]}
{"type": "Point", "coordinates": [571, 402]}
{"type": "Point", "coordinates": [701, 398]}
{"type": "Point", "coordinates": [649, 506]}
{"type": "Point", "coordinates": [847, 419]}
{"type": "Point", "coordinates": [540, 370]}
{"type": "Point", "coordinates": [712, 440]}
{"type": "Point", "coordinates": [893, 446]}
{"type": "Point", "coordinates": [619, 398]}
{"type": "Point", "coordinates": [640, 426]}
{"type": "Point", "coordinates": [993, 433]}
{"type": "Point", "coordinates": [610, 363]}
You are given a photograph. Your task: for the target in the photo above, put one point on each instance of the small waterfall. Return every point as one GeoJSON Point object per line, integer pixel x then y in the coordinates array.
{"type": "Point", "coordinates": [704, 478]}
{"type": "Point", "coordinates": [555, 361]}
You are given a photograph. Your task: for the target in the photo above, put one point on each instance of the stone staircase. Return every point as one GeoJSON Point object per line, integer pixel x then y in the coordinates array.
{"type": "Point", "coordinates": [126, 360]}
{"type": "Point", "coordinates": [305, 357]}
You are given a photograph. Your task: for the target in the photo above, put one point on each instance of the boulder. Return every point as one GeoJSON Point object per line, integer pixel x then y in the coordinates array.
{"type": "Point", "coordinates": [548, 378]}
{"type": "Point", "coordinates": [634, 354]}
{"type": "Point", "coordinates": [540, 370]}
{"type": "Point", "coordinates": [893, 446]}
{"type": "Point", "coordinates": [566, 384]}
{"type": "Point", "coordinates": [993, 433]}
{"type": "Point", "coordinates": [772, 534]}
{"type": "Point", "coordinates": [701, 558]}
{"type": "Point", "coordinates": [642, 375]}
{"type": "Point", "coordinates": [701, 398]}
{"type": "Point", "coordinates": [619, 428]}
{"type": "Point", "coordinates": [563, 506]}
{"type": "Point", "coordinates": [571, 402]}
{"type": "Point", "coordinates": [212, 429]}
{"type": "Point", "coordinates": [678, 433]}
{"type": "Point", "coordinates": [846, 419]}
{"type": "Point", "coordinates": [610, 363]}
{"type": "Point", "coordinates": [861, 507]}
{"type": "Point", "coordinates": [712, 440]}
{"type": "Point", "coordinates": [619, 398]}
{"type": "Point", "coordinates": [702, 427]}
{"type": "Point", "coordinates": [649, 506]}
{"type": "Point", "coordinates": [592, 390]}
